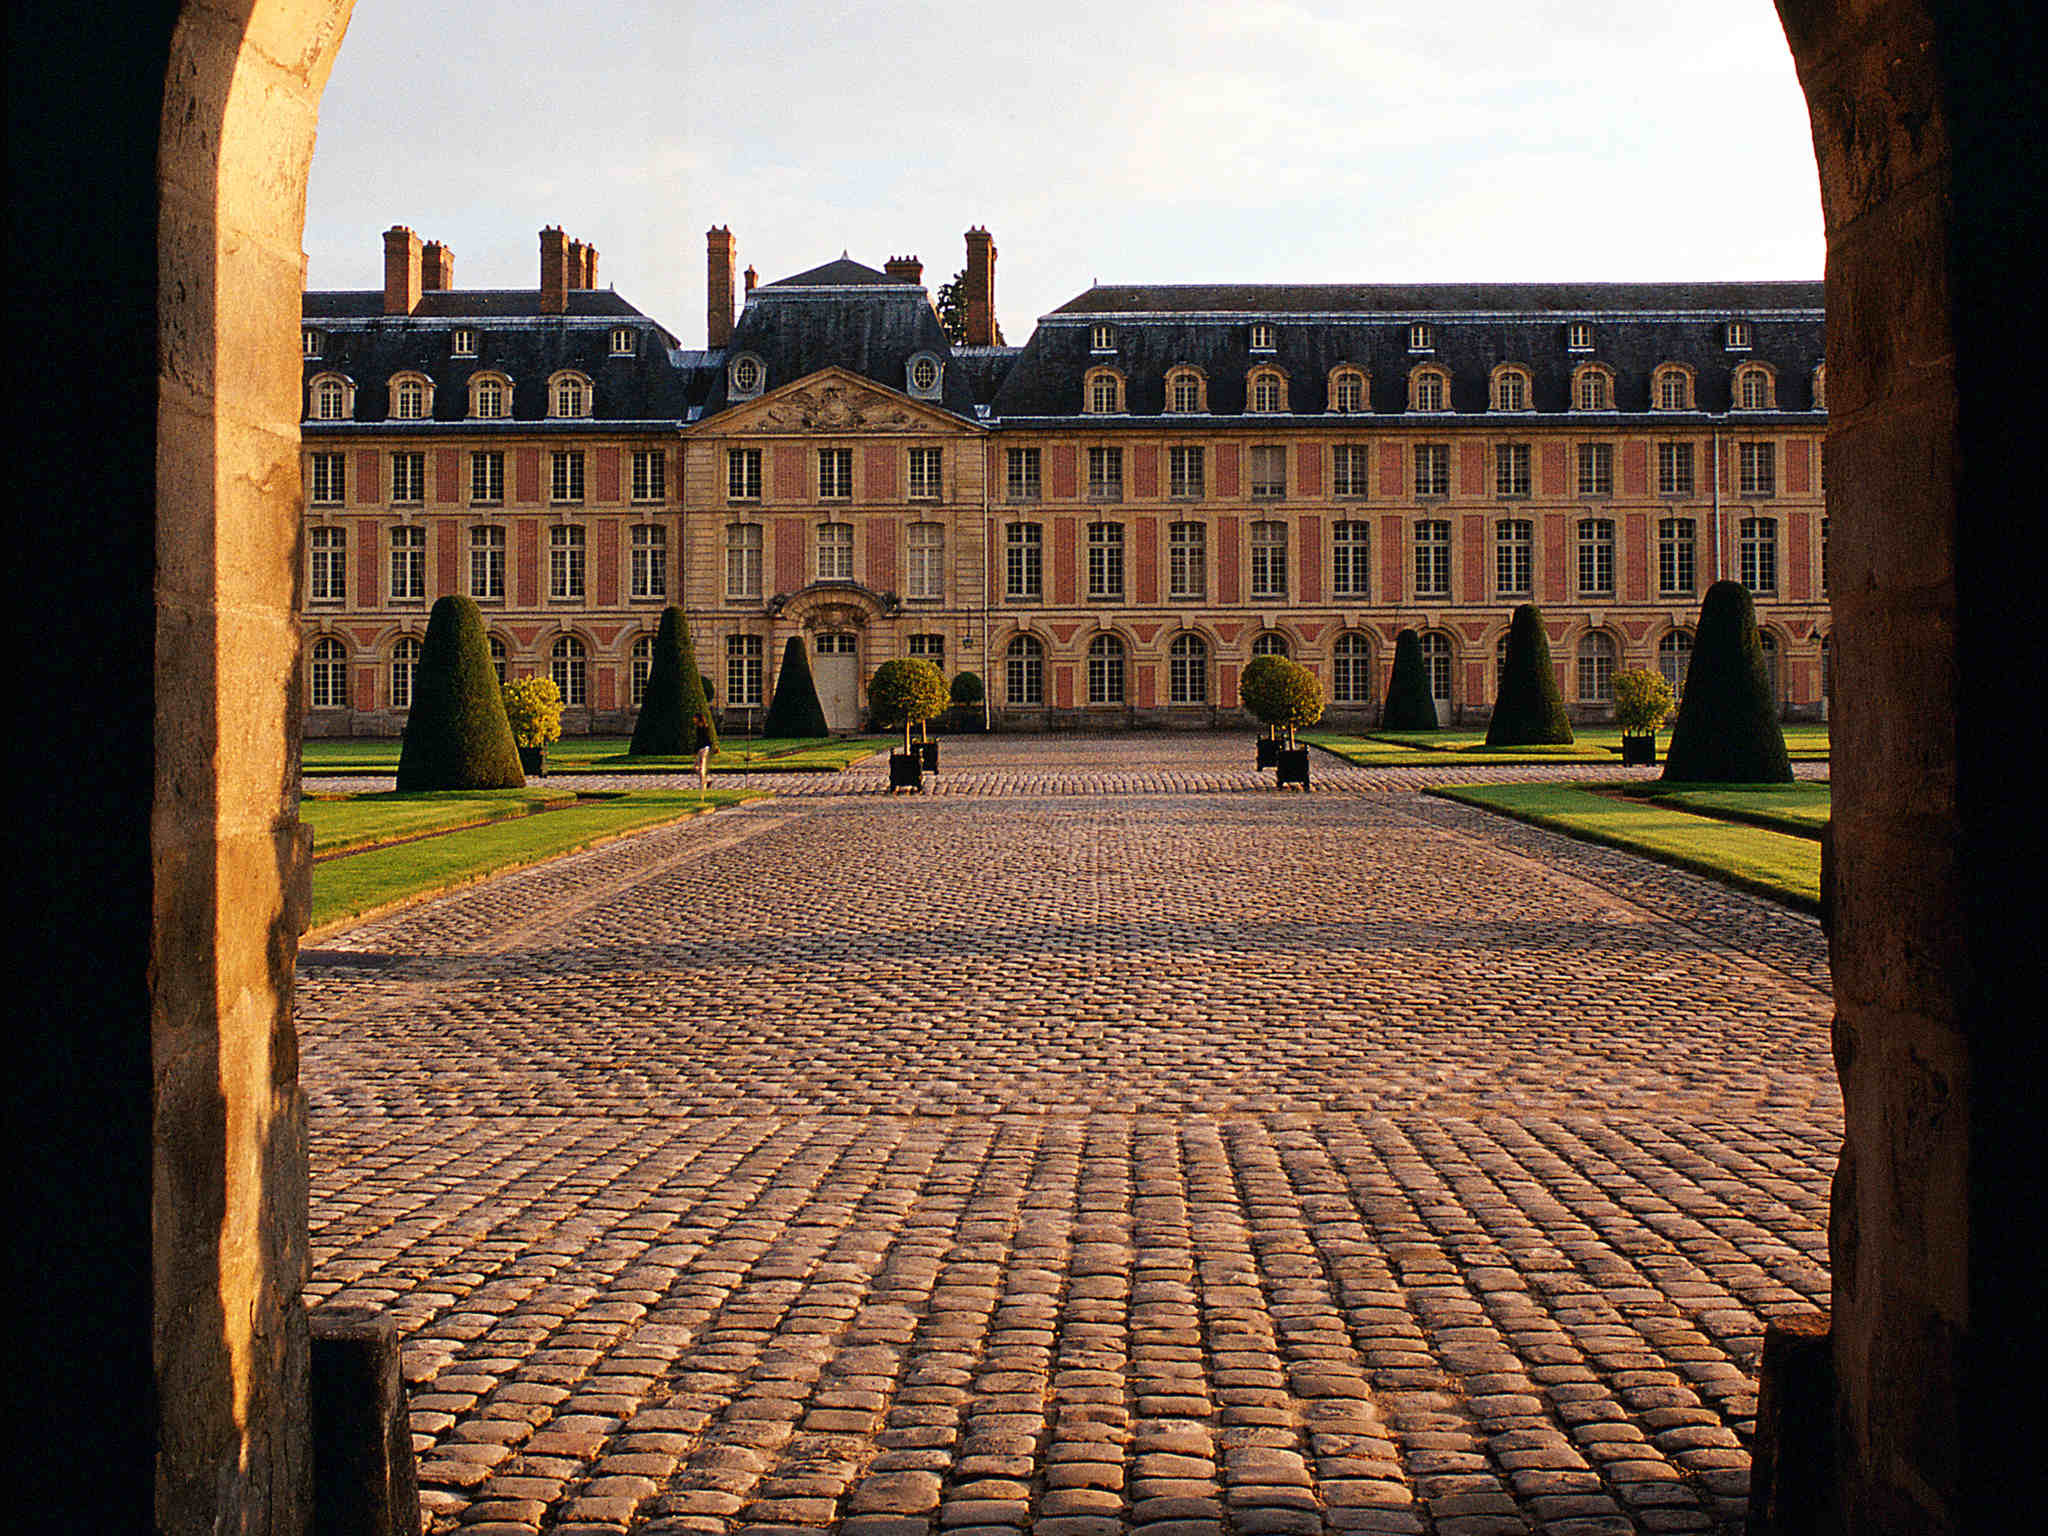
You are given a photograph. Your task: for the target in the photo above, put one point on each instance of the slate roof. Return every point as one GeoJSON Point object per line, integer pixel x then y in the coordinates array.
{"type": "Point", "coordinates": [842, 273]}
{"type": "Point", "coordinates": [464, 303]}
{"type": "Point", "coordinates": [1475, 327]}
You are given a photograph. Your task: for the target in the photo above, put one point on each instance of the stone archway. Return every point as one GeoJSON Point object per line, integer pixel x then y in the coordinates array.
{"type": "Point", "coordinates": [1924, 126]}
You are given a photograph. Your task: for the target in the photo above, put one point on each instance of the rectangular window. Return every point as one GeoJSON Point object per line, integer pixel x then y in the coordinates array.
{"type": "Point", "coordinates": [743, 671]}
{"type": "Point", "coordinates": [1677, 556]}
{"type": "Point", "coordinates": [650, 474]}
{"type": "Point", "coordinates": [1106, 474]}
{"type": "Point", "coordinates": [487, 564]}
{"type": "Point", "coordinates": [1759, 553]}
{"type": "Point", "coordinates": [1187, 564]}
{"type": "Point", "coordinates": [1185, 472]}
{"type": "Point", "coordinates": [1823, 557]}
{"type": "Point", "coordinates": [931, 648]}
{"type": "Point", "coordinates": [408, 563]}
{"type": "Point", "coordinates": [1433, 469]}
{"type": "Point", "coordinates": [1433, 558]}
{"type": "Point", "coordinates": [1757, 468]}
{"type": "Point", "coordinates": [1351, 559]}
{"type": "Point", "coordinates": [487, 478]}
{"type": "Point", "coordinates": [835, 474]}
{"type": "Point", "coordinates": [1269, 472]}
{"type": "Point", "coordinates": [565, 477]}
{"type": "Point", "coordinates": [463, 344]}
{"type": "Point", "coordinates": [743, 561]}
{"type": "Point", "coordinates": [1596, 557]}
{"type": "Point", "coordinates": [1269, 558]}
{"type": "Point", "coordinates": [650, 560]}
{"type": "Point", "coordinates": [927, 560]}
{"type": "Point", "coordinates": [1024, 562]}
{"type": "Point", "coordinates": [1348, 470]}
{"type": "Point", "coordinates": [1674, 469]}
{"type": "Point", "coordinates": [1105, 562]}
{"type": "Point", "coordinates": [329, 582]}
{"type": "Point", "coordinates": [1596, 469]}
{"type": "Point", "coordinates": [565, 562]}
{"type": "Point", "coordinates": [924, 474]}
{"type": "Point", "coordinates": [1514, 556]}
{"type": "Point", "coordinates": [743, 474]}
{"type": "Point", "coordinates": [1021, 480]}
{"type": "Point", "coordinates": [330, 479]}
{"type": "Point", "coordinates": [409, 477]}
{"type": "Point", "coordinates": [1511, 469]}
{"type": "Point", "coordinates": [835, 549]}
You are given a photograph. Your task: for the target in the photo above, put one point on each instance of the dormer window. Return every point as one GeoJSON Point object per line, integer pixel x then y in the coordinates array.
{"type": "Point", "coordinates": [1263, 337]}
{"type": "Point", "coordinates": [334, 398]}
{"type": "Point", "coordinates": [1104, 393]}
{"type": "Point", "coordinates": [1428, 390]}
{"type": "Point", "coordinates": [1672, 389]}
{"type": "Point", "coordinates": [1578, 336]}
{"type": "Point", "coordinates": [462, 343]}
{"type": "Point", "coordinates": [490, 397]}
{"type": "Point", "coordinates": [1420, 338]}
{"type": "Point", "coordinates": [745, 377]}
{"type": "Point", "coordinates": [1267, 391]}
{"type": "Point", "coordinates": [1347, 390]}
{"type": "Point", "coordinates": [622, 341]}
{"type": "Point", "coordinates": [1593, 390]}
{"type": "Point", "coordinates": [310, 342]}
{"type": "Point", "coordinates": [923, 376]}
{"type": "Point", "coordinates": [1184, 392]}
{"type": "Point", "coordinates": [1510, 390]}
{"type": "Point", "coordinates": [1737, 335]}
{"type": "Point", "coordinates": [1753, 389]}
{"type": "Point", "coordinates": [569, 395]}
{"type": "Point", "coordinates": [1820, 387]}
{"type": "Point", "coordinates": [412, 398]}
{"type": "Point", "coordinates": [1102, 339]}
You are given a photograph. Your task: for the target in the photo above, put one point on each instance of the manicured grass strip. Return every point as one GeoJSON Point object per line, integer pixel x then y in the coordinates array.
{"type": "Point", "coordinates": [335, 757]}
{"type": "Point", "coordinates": [345, 823]}
{"type": "Point", "coordinates": [1800, 809]}
{"type": "Point", "coordinates": [356, 886]}
{"type": "Point", "coordinates": [1390, 752]}
{"type": "Point", "coordinates": [1786, 869]}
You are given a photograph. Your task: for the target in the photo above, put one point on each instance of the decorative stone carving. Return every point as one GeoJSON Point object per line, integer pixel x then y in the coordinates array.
{"type": "Point", "coordinates": [835, 408]}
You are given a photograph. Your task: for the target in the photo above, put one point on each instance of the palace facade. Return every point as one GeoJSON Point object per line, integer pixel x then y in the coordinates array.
{"type": "Point", "coordinates": [1104, 523]}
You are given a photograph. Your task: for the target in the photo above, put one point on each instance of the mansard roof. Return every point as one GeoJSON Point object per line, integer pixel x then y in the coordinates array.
{"type": "Point", "coordinates": [465, 304]}
{"type": "Point", "coordinates": [1474, 328]}
{"type": "Point", "coordinates": [843, 273]}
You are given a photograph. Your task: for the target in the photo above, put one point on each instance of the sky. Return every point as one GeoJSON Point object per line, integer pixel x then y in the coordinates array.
{"type": "Point", "coordinates": [1136, 141]}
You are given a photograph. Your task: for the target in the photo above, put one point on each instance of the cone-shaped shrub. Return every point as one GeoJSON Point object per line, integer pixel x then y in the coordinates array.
{"type": "Point", "coordinates": [795, 710]}
{"type": "Point", "coordinates": [1410, 704]}
{"type": "Point", "coordinates": [457, 736]}
{"type": "Point", "coordinates": [674, 696]}
{"type": "Point", "coordinates": [1727, 730]}
{"type": "Point", "coordinates": [1529, 710]}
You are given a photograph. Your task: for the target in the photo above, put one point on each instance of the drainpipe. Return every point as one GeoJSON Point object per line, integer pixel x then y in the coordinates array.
{"type": "Point", "coordinates": [988, 535]}
{"type": "Point", "coordinates": [1717, 504]}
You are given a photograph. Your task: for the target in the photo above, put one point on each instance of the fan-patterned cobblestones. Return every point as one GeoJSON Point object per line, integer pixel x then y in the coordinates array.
{"type": "Point", "coordinates": [1078, 1163]}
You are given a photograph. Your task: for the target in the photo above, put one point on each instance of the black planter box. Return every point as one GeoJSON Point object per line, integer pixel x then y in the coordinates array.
{"type": "Point", "coordinates": [906, 771]}
{"type": "Point", "coordinates": [928, 755]}
{"type": "Point", "coordinates": [1638, 751]}
{"type": "Point", "coordinates": [534, 760]}
{"type": "Point", "coordinates": [1269, 751]}
{"type": "Point", "coordinates": [1293, 765]}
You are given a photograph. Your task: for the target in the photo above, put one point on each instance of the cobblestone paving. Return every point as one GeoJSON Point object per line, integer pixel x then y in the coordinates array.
{"type": "Point", "coordinates": [1078, 1163]}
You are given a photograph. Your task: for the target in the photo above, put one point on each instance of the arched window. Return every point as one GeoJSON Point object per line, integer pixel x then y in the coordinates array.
{"type": "Point", "coordinates": [411, 398]}
{"type": "Point", "coordinates": [1753, 389]}
{"type": "Point", "coordinates": [1184, 392]}
{"type": "Point", "coordinates": [1510, 389]}
{"type": "Point", "coordinates": [1270, 643]}
{"type": "Point", "coordinates": [1672, 389]}
{"type": "Point", "coordinates": [1436, 661]}
{"type": "Point", "coordinates": [498, 659]}
{"type": "Point", "coordinates": [329, 680]}
{"type": "Point", "coordinates": [1769, 642]}
{"type": "Point", "coordinates": [1594, 390]}
{"type": "Point", "coordinates": [405, 666]}
{"type": "Point", "coordinates": [643, 668]}
{"type": "Point", "coordinates": [1187, 666]}
{"type": "Point", "coordinates": [1024, 671]}
{"type": "Point", "coordinates": [490, 397]}
{"type": "Point", "coordinates": [1268, 391]}
{"type": "Point", "coordinates": [1351, 679]}
{"type": "Point", "coordinates": [1820, 390]}
{"type": "Point", "coordinates": [333, 399]}
{"type": "Point", "coordinates": [1347, 390]}
{"type": "Point", "coordinates": [1105, 670]}
{"type": "Point", "coordinates": [569, 666]}
{"type": "Point", "coordinates": [569, 394]}
{"type": "Point", "coordinates": [1105, 394]}
{"type": "Point", "coordinates": [1674, 657]}
{"type": "Point", "coordinates": [1429, 389]}
{"type": "Point", "coordinates": [1596, 668]}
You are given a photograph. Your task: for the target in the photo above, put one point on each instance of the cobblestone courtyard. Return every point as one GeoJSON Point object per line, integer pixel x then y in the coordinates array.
{"type": "Point", "coordinates": [1092, 1146]}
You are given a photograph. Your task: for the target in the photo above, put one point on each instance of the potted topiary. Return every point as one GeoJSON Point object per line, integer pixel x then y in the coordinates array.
{"type": "Point", "coordinates": [1643, 701]}
{"type": "Point", "coordinates": [908, 692]}
{"type": "Point", "coordinates": [533, 705]}
{"type": "Point", "coordinates": [1299, 703]}
{"type": "Point", "coordinates": [1259, 691]}
{"type": "Point", "coordinates": [968, 694]}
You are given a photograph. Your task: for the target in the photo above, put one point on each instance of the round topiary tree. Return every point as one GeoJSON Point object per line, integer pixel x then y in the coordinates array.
{"type": "Point", "coordinates": [1281, 693]}
{"type": "Point", "coordinates": [533, 705]}
{"type": "Point", "coordinates": [1727, 731]}
{"type": "Point", "coordinates": [1410, 705]}
{"type": "Point", "coordinates": [967, 688]}
{"type": "Point", "coordinates": [795, 710]}
{"type": "Point", "coordinates": [674, 696]}
{"type": "Point", "coordinates": [1529, 711]}
{"type": "Point", "coordinates": [1643, 701]}
{"type": "Point", "coordinates": [907, 692]}
{"type": "Point", "coordinates": [456, 735]}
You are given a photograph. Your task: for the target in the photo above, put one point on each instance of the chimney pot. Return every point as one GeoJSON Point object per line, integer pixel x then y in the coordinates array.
{"type": "Point", "coordinates": [753, 277]}
{"type": "Point", "coordinates": [401, 270]}
{"type": "Point", "coordinates": [905, 268]}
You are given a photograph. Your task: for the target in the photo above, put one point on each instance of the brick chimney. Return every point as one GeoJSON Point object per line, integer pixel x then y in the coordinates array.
{"type": "Point", "coordinates": [554, 271]}
{"type": "Point", "coordinates": [980, 297]}
{"type": "Point", "coordinates": [905, 269]}
{"type": "Point", "coordinates": [401, 270]}
{"type": "Point", "coordinates": [719, 256]}
{"type": "Point", "coordinates": [590, 266]}
{"type": "Point", "coordinates": [437, 267]}
{"type": "Point", "coordinates": [753, 277]}
{"type": "Point", "coordinates": [579, 259]}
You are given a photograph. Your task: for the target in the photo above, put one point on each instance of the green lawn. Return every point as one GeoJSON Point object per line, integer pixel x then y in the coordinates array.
{"type": "Point", "coordinates": [1799, 809]}
{"type": "Point", "coordinates": [337, 756]}
{"type": "Point", "coordinates": [1773, 864]}
{"type": "Point", "coordinates": [1462, 746]}
{"type": "Point", "coordinates": [342, 823]}
{"type": "Point", "coordinates": [356, 884]}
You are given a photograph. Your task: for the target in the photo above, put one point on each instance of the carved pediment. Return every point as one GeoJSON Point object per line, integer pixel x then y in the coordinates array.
{"type": "Point", "coordinates": [834, 401]}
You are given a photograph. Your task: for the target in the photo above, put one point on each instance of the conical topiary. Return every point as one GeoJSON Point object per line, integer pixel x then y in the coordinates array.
{"type": "Point", "coordinates": [795, 710]}
{"type": "Point", "coordinates": [1529, 710]}
{"type": "Point", "coordinates": [456, 735]}
{"type": "Point", "coordinates": [1727, 730]}
{"type": "Point", "coordinates": [674, 696]}
{"type": "Point", "coordinates": [1410, 704]}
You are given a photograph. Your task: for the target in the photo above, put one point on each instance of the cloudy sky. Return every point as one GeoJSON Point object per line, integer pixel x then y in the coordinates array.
{"type": "Point", "coordinates": [1134, 141]}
